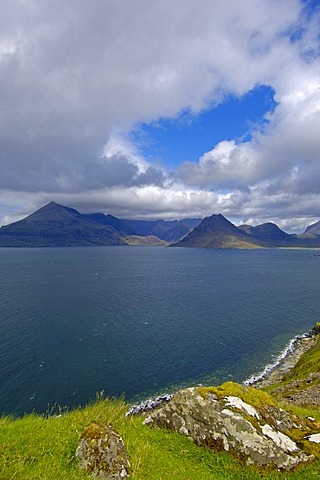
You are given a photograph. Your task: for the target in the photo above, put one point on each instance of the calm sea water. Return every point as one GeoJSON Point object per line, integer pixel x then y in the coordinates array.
{"type": "Point", "coordinates": [141, 320]}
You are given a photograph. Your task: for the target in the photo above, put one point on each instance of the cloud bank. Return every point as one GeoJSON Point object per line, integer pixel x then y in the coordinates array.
{"type": "Point", "coordinates": [76, 77]}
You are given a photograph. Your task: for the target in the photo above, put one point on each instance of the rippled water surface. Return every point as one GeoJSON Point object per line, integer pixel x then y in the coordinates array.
{"type": "Point", "coordinates": [140, 320]}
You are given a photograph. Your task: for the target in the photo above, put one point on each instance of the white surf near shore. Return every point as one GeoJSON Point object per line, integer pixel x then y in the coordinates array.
{"type": "Point", "coordinates": [289, 350]}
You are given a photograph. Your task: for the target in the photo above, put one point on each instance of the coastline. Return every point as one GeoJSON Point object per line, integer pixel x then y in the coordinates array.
{"type": "Point", "coordinates": [272, 373]}
{"type": "Point", "coordinates": [275, 373]}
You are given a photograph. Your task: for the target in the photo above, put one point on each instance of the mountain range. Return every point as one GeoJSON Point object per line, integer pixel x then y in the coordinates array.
{"type": "Point", "coordinates": [55, 225]}
{"type": "Point", "coordinates": [217, 232]}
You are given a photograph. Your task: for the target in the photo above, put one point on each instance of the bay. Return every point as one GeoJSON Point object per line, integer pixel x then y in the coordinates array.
{"type": "Point", "coordinates": [137, 321]}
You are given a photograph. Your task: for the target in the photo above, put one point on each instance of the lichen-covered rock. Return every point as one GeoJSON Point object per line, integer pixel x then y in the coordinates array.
{"type": "Point", "coordinates": [101, 453]}
{"type": "Point", "coordinates": [256, 433]}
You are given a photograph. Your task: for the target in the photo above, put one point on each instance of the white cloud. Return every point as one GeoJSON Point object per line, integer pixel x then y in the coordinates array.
{"type": "Point", "coordinates": [282, 158]}
{"type": "Point", "coordinates": [149, 202]}
{"type": "Point", "coordinates": [228, 165]}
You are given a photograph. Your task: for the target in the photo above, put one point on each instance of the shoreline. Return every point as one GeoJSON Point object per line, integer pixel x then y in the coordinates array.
{"type": "Point", "coordinates": [275, 373]}
{"type": "Point", "coordinates": [272, 373]}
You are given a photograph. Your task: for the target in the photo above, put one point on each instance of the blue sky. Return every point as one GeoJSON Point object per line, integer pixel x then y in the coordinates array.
{"type": "Point", "coordinates": [187, 137]}
{"type": "Point", "coordinates": [163, 109]}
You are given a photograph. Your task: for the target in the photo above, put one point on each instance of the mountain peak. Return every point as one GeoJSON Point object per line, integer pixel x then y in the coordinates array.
{"type": "Point", "coordinates": [216, 232]}
{"type": "Point", "coordinates": [51, 210]}
{"type": "Point", "coordinates": [217, 222]}
{"type": "Point", "coordinates": [49, 206]}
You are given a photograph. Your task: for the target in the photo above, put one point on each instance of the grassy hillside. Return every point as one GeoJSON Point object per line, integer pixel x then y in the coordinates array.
{"type": "Point", "coordinates": [36, 447]}
{"type": "Point", "coordinates": [301, 385]}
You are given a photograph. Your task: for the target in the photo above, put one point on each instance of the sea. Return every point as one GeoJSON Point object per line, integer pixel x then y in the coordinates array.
{"type": "Point", "coordinates": [136, 322]}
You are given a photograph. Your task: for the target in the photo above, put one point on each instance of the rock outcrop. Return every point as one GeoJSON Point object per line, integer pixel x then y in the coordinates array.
{"type": "Point", "coordinates": [238, 419]}
{"type": "Point", "coordinates": [301, 392]}
{"type": "Point", "coordinates": [102, 454]}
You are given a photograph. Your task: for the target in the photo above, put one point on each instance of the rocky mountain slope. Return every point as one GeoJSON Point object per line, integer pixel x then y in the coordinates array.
{"type": "Point", "coordinates": [218, 232]}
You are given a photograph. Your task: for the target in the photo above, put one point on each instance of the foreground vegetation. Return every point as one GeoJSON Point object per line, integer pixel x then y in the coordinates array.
{"type": "Point", "coordinates": [38, 447]}
{"type": "Point", "coordinates": [35, 447]}
{"type": "Point", "coordinates": [303, 377]}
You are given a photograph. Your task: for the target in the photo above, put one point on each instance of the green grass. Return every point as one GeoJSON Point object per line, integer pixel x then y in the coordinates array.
{"type": "Point", "coordinates": [302, 412]}
{"type": "Point", "coordinates": [35, 447]}
{"type": "Point", "coordinates": [308, 363]}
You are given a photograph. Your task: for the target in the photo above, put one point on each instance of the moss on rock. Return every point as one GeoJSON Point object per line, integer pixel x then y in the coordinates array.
{"type": "Point", "coordinates": [240, 420]}
{"type": "Point", "coordinates": [102, 454]}
{"type": "Point", "coordinates": [256, 398]}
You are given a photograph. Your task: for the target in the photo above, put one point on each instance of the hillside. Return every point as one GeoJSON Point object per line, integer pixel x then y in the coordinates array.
{"type": "Point", "coordinates": [147, 240]}
{"type": "Point", "coordinates": [114, 222]}
{"type": "Point", "coordinates": [300, 385]}
{"type": "Point", "coordinates": [313, 229]}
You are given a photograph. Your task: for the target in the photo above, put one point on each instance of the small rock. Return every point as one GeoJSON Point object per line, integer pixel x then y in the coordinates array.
{"type": "Point", "coordinates": [101, 453]}
{"type": "Point", "coordinates": [314, 438]}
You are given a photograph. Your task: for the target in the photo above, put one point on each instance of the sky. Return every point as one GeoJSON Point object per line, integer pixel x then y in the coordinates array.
{"type": "Point", "coordinates": [162, 109]}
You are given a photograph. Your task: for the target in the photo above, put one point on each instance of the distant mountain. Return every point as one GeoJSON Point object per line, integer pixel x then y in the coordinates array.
{"type": "Point", "coordinates": [120, 225]}
{"type": "Point", "coordinates": [217, 232]}
{"type": "Point", "coordinates": [176, 233]}
{"type": "Point", "coordinates": [269, 235]}
{"type": "Point", "coordinates": [168, 230]}
{"type": "Point", "coordinates": [57, 226]}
